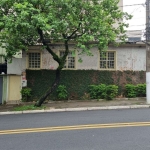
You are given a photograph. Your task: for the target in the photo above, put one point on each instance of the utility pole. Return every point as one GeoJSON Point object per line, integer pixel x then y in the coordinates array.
{"type": "Point", "coordinates": [148, 51]}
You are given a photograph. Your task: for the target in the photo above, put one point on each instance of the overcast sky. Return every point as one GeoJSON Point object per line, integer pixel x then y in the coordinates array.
{"type": "Point", "coordinates": [138, 11]}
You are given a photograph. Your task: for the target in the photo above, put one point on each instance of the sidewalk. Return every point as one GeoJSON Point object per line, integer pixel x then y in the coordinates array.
{"type": "Point", "coordinates": [59, 106]}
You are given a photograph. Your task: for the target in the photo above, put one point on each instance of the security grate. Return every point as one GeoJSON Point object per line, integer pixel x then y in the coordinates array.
{"type": "Point", "coordinates": [107, 60]}
{"type": "Point", "coordinates": [34, 60]}
{"type": "Point", "coordinates": [70, 60]}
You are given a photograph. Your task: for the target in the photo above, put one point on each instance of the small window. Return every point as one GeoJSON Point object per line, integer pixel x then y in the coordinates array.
{"type": "Point", "coordinates": [107, 60]}
{"type": "Point", "coordinates": [34, 60]}
{"type": "Point", "coordinates": [70, 60]}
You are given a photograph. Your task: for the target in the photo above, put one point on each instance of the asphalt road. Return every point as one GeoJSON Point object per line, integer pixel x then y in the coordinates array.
{"type": "Point", "coordinates": [87, 130]}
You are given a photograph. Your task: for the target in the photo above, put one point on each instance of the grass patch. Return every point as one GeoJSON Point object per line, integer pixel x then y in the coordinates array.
{"type": "Point", "coordinates": [28, 107]}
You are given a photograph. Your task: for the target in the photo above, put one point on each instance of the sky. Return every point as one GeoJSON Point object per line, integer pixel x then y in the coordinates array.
{"type": "Point", "coordinates": [138, 12]}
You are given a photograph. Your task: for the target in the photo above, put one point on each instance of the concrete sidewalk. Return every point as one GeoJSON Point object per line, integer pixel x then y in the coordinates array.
{"type": "Point", "coordinates": [61, 106]}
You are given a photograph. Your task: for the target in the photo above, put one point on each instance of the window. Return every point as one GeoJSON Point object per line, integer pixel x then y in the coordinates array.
{"type": "Point", "coordinates": [34, 60]}
{"type": "Point", "coordinates": [70, 60]}
{"type": "Point", "coordinates": [107, 60]}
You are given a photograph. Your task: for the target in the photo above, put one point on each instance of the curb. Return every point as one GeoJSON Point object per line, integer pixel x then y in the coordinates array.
{"type": "Point", "coordinates": [75, 109]}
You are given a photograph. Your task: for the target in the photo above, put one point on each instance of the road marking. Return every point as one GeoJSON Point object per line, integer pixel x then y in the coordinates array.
{"type": "Point", "coordinates": [77, 127]}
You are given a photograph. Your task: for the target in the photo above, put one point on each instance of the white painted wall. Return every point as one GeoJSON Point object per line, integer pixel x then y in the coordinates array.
{"type": "Point", "coordinates": [47, 60]}
{"type": "Point", "coordinates": [17, 65]}
{"type": "Point", "coordinates": [129, 57]}
{"type": "Point", "coordinates": [89, 62]}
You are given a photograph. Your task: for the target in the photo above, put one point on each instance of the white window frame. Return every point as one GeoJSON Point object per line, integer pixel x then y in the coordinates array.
{"type": "Point", "coordinates": [75, 57]}
{"type": "Point", "coordinates": [34, 51]}
{"type": "Point", "coordinates": [107, 60]}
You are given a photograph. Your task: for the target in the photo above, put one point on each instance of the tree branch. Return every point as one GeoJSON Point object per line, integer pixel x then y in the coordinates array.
{"type": "Point", "coordinates": [55, 57]}
{"type": "Point", "coordinates": [69, 37]}
{"type": "Point", "coordinates": [63, 58]}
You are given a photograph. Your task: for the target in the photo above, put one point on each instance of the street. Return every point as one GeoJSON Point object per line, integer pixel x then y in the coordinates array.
{"type": "Point", "coordinates": [127, 129]}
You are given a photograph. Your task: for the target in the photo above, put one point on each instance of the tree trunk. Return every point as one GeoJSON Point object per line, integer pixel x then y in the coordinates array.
{"type": "Point", "coordinates": [49, 91]}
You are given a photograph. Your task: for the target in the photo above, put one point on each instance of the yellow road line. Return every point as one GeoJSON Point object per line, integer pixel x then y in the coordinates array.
{"type": "Point", "coordinates": [77, 127]}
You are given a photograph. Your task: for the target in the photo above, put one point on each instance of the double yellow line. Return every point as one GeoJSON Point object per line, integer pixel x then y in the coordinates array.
{"type": "Point", "coordinates": [77, 127]}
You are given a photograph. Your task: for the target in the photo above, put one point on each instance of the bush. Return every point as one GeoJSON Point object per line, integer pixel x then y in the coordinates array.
{"type": "Point", "coordinates": [97, 91]}
{"type": "Point", "coordinates": [130, 91]}
{"type": "Point", "coordinates": [141, 90]}
{"type": "Point", "coordinates": [111, 92]}
{"type": "Point", "coordinates": [103, 92]}
{"type": "Point", "coordinates": [62, 92]}
{"type": "Point", "coordinates": [26, 93]}
{"type": "Point", "coordinates": [93, 90]}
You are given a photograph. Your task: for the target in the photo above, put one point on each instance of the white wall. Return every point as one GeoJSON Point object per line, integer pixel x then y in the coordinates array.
{"type": "Point", "coordinates": [129, 57]}
{"type": "Point", "coordinates": [17, 65]}
{"type": "Point", "coordinates": [89, 62]}
{"type": "Point", "coordinates": [47, 60]}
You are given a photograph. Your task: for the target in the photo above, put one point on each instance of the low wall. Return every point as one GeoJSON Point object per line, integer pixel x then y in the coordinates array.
{"type": "Point", "coordinates": [77, 81]}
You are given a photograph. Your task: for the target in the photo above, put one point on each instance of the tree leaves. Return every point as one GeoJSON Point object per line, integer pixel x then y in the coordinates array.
{"type": "Point", "coordinates": [73, 20]}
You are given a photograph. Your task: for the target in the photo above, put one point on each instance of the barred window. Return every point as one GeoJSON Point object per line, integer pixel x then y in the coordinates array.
{"type": "Point", "coordinates": [34, 60]}
{"type": "Point", "coordinates": [70, 60]}
{"type": "Point", "coordinates": [107, 60]}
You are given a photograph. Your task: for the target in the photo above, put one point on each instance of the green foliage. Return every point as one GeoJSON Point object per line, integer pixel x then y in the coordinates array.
{"type": "Point", "coordinates": [24, 22]}
{"type": "Point", "coordinates": [111, 92]}
{"type": "Point", "coordinates": [103, 92]}
{"type": "Point", "coordinates": [130, 91]}
{"type": "Point", "coordinates": [62, 92]}
{"type": "Point", "coordinates": [97, 91]}
{"type": "Point", "coordinates": [141, 90]}
{"type": "Point", "coordinates": [77, 81]}
{"type": "Point", "coordinates": [138, 90]}
{"type": "Point", "coordinates": [26, 93]}
{"type": "Point", "coordinates": [28, 107]}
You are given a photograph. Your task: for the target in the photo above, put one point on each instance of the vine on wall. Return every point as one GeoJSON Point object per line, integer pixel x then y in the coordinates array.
{"type": "Point", "coordinates": [77, 81]}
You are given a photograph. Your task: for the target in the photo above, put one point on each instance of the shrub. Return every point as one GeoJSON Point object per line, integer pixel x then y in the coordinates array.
{"type": "Point", "coordinates": [111, 92]}
{"type": "Point", "coordinates": [26, 93]}
{"type": "Point", "coordinates": [93, 90]}
{"type": "Point", "coordinates": [97, 91]}
{"type": "Point", "coordinates": [130, 90]}
{"type": "Point", "coordinates": [62, 92]}
{"type": "Point", "coordinates": [102, 91]}
{"type": "Point", "coordinates": [141, 90]}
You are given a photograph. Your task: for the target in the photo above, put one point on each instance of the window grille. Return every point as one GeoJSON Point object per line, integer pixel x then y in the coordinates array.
{"type": "Point", "coordinates": [70, 60]}
{"type": "Point", "coordinates": [34, 60]}
{"type": "Point", "coordinates": [107, 60]}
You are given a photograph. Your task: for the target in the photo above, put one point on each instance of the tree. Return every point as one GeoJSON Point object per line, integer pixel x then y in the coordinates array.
{"type": "Point", "coordinates": [28, 22]}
